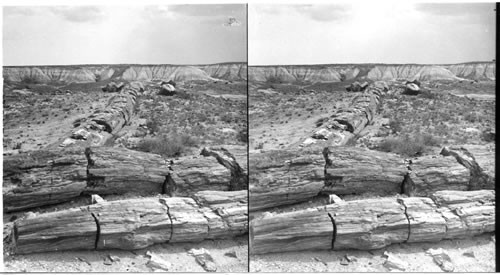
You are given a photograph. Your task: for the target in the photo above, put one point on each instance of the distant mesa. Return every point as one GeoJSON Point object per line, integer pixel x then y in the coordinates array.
{"type": "Point", "coordinates": [119, 73]}
{"type": "Point", "coordinates": [371, 72]}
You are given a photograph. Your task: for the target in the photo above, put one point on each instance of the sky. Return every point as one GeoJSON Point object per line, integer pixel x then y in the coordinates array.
{"type": "Point", "coordinates": [167, 34]}
{"type": "Point", "coordinates": [371, 32]}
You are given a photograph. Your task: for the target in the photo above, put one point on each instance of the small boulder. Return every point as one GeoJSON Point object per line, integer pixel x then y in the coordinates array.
{"type": "Point", "coordinates": [393, 262]}
{"type": "Point", "coordinates": [204, 259]}
{"type": "Point", "coordinates": [441, 259]}
{"type": "Point", "coordinates": [156, 262]}
{"type": "Point", "coordinates": [322, 134]}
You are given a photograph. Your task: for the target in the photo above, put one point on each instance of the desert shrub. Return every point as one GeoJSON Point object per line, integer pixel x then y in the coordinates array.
{"type": "Point", "coordinates": [173, 145]}
{"type": "Point", "coordinates": [243, 135]}
{"type": "Point", "coordinates": [471, 117]}
{"type": "Point", "coordinates": [153, 125]}
{"type": "Point", "coordinates": [408, 146]}
{"type": "Point", "coordinates": [427, 94]}
{"type": "Point", "coordinates": [227, 117]}
{"type": "Point", "coordinates": [183, 95]}
{"type": "Point", "coordinates": [395, 125]}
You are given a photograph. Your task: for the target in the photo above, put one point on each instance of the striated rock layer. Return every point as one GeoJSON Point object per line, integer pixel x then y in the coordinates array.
{"type": "Point", "coordinates": [94, 73]}
{"type": "Point", "coordinates": [374, 72]}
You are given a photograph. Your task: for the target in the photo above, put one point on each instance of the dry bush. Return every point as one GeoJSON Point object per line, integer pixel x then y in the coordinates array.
{"type": "Point", "coordinates": [408, 146]}
{"type": "Point", "coordinates": [173, 145]}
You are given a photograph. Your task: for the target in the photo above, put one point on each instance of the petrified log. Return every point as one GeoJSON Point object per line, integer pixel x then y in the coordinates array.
{"type": "Point", "coordinates": [375, 223]}
{"type": "Point", "coordinates": [480, 178]}
{"type": "Point", "coordinates": [239, 177]}
{"type": "Point", "coordinates": [346, 123]}
{"type": "Point", "coordinates": [135, 223]}
{"type": "Point", "coordinates": [98, 128]}
{"type": "Point", "coordinates": [281, 177]}
{"type": "Point", "coordinates": [54, 176]}
{"type": "Point", "coordinates": [43, 178]}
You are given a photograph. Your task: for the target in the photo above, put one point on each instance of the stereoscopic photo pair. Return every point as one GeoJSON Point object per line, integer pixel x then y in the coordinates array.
{"type": "Point", "coordinates": [249, 137]}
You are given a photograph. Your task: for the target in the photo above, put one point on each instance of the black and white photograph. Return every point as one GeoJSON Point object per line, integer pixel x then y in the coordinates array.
{"type": "Point", "coordinates": [125, 138]}
{"type": "Point", "coordinates": [248, 136]}
{"type": "Point", "coordinates": [372, 137]}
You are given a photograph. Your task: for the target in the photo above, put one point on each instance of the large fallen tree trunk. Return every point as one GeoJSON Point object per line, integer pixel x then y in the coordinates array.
{"type": "Point", "coordinates": [375, 223]}
{"type": "Point", "coordinates": [135, 223]}
{"type": "Point", "coordinates": [347, 123]}
{"type": "Point", "coordinates": [54, 176]}
{"type": "Point", "coordinates": [98, 128]}
{"type": "Point", "coordinates": [281, 177]}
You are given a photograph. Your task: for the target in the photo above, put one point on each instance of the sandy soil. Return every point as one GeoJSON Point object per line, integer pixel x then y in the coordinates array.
{"type": "Point", "coordinates": [135, 261]}
{"type": "Point", "coordinates": [483, 248]}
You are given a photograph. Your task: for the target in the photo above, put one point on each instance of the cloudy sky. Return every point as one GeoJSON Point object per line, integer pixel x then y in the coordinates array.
{"type": "Point", "coordinates": [175, 34]}
{"type": "Point", "coordinates": [371, 32]}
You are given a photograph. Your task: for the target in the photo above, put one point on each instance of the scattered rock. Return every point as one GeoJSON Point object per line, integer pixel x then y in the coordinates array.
{"type": "Point", "coordinates": [81, 259]}
{"type": "Point", "coordinates": [113, 258]}
{"type": "Point", "coordinates": [351, 258]}
{"type": "Point", "coordinates": [334, 199]}
{"type": "Point", "coordinates": [231, 254]}
{"type": "Point", "coordinates": [204, 259]}
{"type": "Point", "coordinates": [107, 261]}
{"type": "Point", "coordinates": [472, 130]}
{"type": "Point", "coordinates": [469, 254]}
{"type": "Point", "coordinates": [344, 261]}
{"type": "Point", "coordinates": [322, 134]}
{"type": "Point", "coordinates": [441, 259]}
{"type": "Point", "coordinates": [156, 262]}
{"type": "Point", "coordinates": [319, 260]}
{"type": "Point", "coordinates": [96, 199]}
{"type": "Point", "coordinates": [67, 142]}
{"type": "Point", "coordinates": [393, 262]}
{"type": "Point", "coordinates": [308, 141]}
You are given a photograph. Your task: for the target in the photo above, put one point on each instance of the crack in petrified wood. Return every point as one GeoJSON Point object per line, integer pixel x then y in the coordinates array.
{"type": "Point", "coordinates": [281, 177]}
{"type": "Point", "coordinates": [54, 176]}
{"type": "Point", "coordinates": [135, 223]}
{"type": "Point", "coordinates": [375, 223]}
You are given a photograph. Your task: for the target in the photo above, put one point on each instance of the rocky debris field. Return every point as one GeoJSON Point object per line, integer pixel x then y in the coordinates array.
{"type": "Point", "coordinates": [144, 135]}
{"type": "Point", "coordinates": [304, 196]}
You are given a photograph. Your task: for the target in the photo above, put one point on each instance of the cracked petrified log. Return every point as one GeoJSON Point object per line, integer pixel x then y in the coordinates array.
{"type": "Point", "coordinates": [281, 177]}
{"type": "Point", "coordinates": [346, 123]}
{"type": "Point", "coordinates": [135, 223]}
{"type": "Point", "coordinates": [53, 176]}
{"type": "Point", "coordinates": [375, 223]}
{"type": "Point", "coordinates": [99, 127]}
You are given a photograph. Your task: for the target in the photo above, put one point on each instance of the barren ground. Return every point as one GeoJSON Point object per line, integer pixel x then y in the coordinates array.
{"type": "Point", "coordinates": [201, 114]}
{"type": "Point", "coordinates": [451, 113]}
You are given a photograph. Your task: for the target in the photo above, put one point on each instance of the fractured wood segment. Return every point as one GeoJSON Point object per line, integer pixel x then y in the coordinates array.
{"type": "Point", "coordinates": [353, 170]}
{"type": "Point", "coordinates": [134, 223]}
{"type": "Point", "coordinates": [375, 223]}
{"type": "Point", "coordinates": [197, 173]}
{"type": "Point", "coordinates": [299, 230]}
{"type": "Point", "coordinates": [54, 176]}
{"type": "Point", "coordinates": [434, 173]}
{"type": "Point", "coordinates": [368, 224]}
{"type": "Point", "coordinates": [63, 230]}
{"type": "Point", "coordinates": [100, 127]}
{"type": "Point", "coordinates": [131, 224]}
{"type": "Point", "coordinates": [281, 177]}
{"type": "Point", "coordinates": [43, 178]}
{"type": "Point", "coordinates": [120, 170]}
{"type": "Point", "coordinates": [347, 123]}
